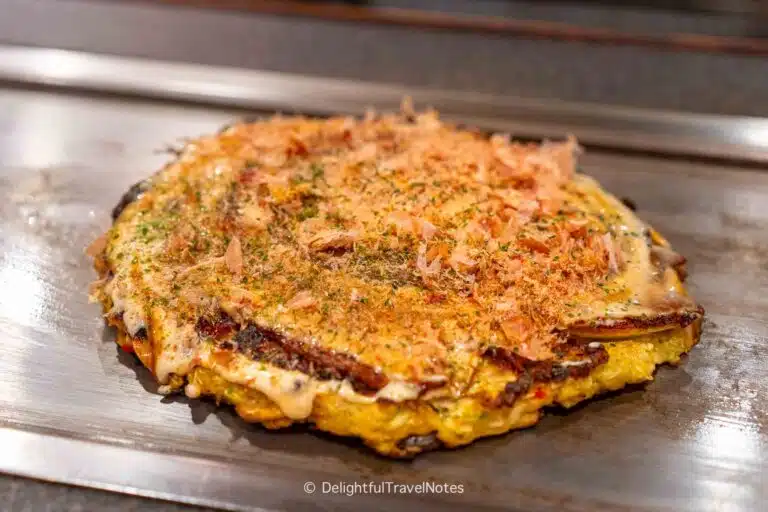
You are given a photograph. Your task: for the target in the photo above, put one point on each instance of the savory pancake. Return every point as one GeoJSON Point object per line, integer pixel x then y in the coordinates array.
{"type": "Point", "coordinates": [393, 278]}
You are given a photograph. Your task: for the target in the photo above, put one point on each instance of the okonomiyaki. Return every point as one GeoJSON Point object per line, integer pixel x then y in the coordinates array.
{"type": "Point", "coordinates": [393, 278]}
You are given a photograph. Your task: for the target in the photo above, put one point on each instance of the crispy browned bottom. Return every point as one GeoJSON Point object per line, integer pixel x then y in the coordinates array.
{"type": "Point", "coordinates": [407, 428]}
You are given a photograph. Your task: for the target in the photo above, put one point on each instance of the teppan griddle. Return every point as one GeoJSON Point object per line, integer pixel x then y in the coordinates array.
{"type": "Point", "coordinates": [74, 134]}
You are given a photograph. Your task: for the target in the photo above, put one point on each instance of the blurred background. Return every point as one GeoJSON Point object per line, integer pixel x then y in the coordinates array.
{"type": "Point", "coordinates": [689, 55]}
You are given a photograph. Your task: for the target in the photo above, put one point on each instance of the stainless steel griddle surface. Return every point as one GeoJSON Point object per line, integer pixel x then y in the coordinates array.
{"type": "Point", "coordinates": [75, 409]}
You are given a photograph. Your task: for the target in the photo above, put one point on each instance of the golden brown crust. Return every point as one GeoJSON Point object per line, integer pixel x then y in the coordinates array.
{"type": "Point", "coordinates": [394, 265]}
{"type": "Point", "coordinates": [383, 427]}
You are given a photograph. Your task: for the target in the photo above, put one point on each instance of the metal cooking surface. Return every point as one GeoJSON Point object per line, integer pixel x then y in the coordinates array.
{"type": "Point", "coordinates": [739, 138]}
{"type": "Point", "coordinates": [695, 439]}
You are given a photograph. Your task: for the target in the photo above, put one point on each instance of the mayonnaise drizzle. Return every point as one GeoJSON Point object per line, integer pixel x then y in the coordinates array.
{"type": "Point", "coordinates": [293, 392]}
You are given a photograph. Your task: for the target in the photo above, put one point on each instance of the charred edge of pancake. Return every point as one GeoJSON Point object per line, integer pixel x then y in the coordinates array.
{"type": "Point", "coordinates": [529, 372]}
{"type": "Point", "coordinates": [640, 323]}
{"type": "Point", "coordinates": [629, 203]}
{"type": "Point", "coordinates": [696, 328]}
{"type": "Point", "coordinates": [132, 194]}
{"type": "Point", "coordinates": [267, 345]}
{"type": "Point", "coordinates": [413, 445]}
